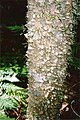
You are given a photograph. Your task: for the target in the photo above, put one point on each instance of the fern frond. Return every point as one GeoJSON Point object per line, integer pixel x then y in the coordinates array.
{"type": "Point", "coordinates": [7, 102]}
{"type": "Point", "coordinates": [11, 96]}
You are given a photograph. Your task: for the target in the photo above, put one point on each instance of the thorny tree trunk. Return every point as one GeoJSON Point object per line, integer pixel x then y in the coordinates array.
{"type": "Point", "coordinates": [49, 39]}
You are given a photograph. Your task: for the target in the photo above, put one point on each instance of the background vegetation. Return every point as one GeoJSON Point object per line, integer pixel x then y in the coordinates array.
{"type": "Point", "coordinates": [13, 70]}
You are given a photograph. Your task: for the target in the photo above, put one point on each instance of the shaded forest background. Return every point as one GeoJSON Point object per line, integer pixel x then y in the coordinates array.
{"type": "Point", "coordinates": [12, 40]}
{"type": "Point", "coordinates": [13, 70]}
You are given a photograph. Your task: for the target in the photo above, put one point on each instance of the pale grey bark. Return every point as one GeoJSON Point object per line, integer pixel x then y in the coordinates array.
{"type": "Point", "coordinates": [49, 39]}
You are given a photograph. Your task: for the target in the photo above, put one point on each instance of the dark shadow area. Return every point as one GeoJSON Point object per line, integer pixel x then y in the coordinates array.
{"type": "Point", "coordinates": [13, 46]}
{"type": "Point", "coordinates": [74, 79]}
{"type": "Point", "coordinates": [13, 12]}
{"type": "Point", "coordinates": [12, 40]}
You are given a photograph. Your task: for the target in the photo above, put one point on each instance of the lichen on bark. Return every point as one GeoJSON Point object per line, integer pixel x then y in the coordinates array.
{"type": "Point", "coordinates": [49, 39]}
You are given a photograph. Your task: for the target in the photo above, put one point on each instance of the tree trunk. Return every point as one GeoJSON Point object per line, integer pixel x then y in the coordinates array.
{"type": "Point", "coordinates": [49, 39]}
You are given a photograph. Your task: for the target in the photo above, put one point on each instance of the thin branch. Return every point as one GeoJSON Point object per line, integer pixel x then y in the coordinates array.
{"type": "Point", "coordinates": [74, 110]}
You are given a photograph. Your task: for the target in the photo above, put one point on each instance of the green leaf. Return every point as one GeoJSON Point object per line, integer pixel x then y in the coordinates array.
{"type": "Point", "coordinates": [4, 117]}
{"type": "Point", "coordinates": [6, 102]}
{"type": "Point", "coordinates": [16, 28]}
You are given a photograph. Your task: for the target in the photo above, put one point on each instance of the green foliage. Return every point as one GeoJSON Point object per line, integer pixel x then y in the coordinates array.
{"type": "Point", "coordinates": [76, 9]}
{"type": "Point", "coordinates": [4, 117]}
{"type": "Point", "coordinates": [6, 102]}
{"type": "Point", "coordinates": [11, 96]}
{"type": "Point", "coordinates": [75, 63]}
{"type": "Point", "coordinates": [13, 65]}
{"type": "Point", "coordinates": [20, 71]}
{"type": "Point", "coordinates": [9, 76]}
{"type": "Point", "coordinates": [16, 28]}
{"type": "Point", "coordinates": [73, 59]}
{"type": "Point", "coordinates": [14, 60]}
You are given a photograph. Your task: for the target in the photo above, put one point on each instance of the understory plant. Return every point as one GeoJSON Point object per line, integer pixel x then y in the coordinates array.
{"type": "Point", "coordinates": [12, 98]}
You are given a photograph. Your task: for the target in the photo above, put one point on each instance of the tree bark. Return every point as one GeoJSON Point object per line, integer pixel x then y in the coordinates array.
{"type": "Point", "coordinates": [49, 39]}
